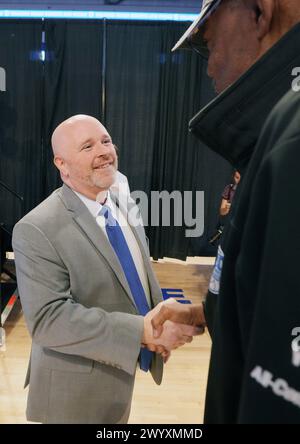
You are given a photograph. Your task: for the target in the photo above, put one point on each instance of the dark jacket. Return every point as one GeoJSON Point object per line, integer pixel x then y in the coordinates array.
{"type": "Point", "coordinates": [254, 309]}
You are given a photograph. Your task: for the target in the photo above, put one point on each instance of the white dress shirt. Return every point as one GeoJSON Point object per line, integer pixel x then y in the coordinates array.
{"type": "Point", "coordinates": [94, 208]}
{"type": "Point", "coordinates": [120, 185]}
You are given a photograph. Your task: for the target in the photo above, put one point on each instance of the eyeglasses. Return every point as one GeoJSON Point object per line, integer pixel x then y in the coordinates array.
{"type": "Point", "coordinates": [196, 41]}
{"type": "Point", "coordinates": [199, 48]}
{"type": "Point", "coordinates": [198, 45]}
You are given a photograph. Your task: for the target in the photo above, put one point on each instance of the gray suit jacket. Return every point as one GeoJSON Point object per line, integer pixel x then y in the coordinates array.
{"type": "Point", "coordinates": [86, 332]}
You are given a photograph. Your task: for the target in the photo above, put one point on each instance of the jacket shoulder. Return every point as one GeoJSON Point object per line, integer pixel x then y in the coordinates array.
{"type": "Point", "coordinates": [46, 212]}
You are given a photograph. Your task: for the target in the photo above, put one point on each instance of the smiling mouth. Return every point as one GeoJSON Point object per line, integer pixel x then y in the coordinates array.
{"type": "Point", "coordinates": [104, 166]}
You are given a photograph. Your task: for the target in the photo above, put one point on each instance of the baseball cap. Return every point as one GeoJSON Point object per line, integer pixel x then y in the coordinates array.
{"type": "Point", "coordinates": [192, 38]}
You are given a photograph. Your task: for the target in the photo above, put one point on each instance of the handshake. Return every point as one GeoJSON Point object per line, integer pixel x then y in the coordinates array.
{"type": "Point", "coordinates": [170, 325]}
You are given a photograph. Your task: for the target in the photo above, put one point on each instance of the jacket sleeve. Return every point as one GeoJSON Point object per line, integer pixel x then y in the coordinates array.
{"type": "Point", "coordinates": [56, 321]}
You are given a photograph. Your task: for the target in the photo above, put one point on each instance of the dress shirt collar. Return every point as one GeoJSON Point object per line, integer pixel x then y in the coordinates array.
{"type": "Point", "coordinates": [93, 206]}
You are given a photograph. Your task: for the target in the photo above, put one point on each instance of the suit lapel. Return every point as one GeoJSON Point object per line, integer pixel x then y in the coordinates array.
{"type": "Point", "coordinates": [89, 228]}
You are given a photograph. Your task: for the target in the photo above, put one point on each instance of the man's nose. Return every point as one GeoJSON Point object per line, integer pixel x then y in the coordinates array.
{"type": "Point", "coordinates": [103, 149]}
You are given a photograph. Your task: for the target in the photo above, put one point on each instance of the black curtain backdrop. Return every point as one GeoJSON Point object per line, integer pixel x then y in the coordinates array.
{"type": "Point", "coordinates": [151, 95]}
{"type": "Point", "coordinates": [20, 117]}
{"type": "Point", "coordinates": [73, 79]}
{"type": "Point", "coordinates": [124, 74]}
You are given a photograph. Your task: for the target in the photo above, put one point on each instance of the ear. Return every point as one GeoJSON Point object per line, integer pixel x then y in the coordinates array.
{"type": "Point", "coordinates": [61, 165]}
{"type": "Point", "coordinates": [264, 16]}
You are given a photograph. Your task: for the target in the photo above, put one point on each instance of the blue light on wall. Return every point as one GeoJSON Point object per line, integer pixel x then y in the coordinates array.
{"type": "Point", "coordinates": [111, 15]}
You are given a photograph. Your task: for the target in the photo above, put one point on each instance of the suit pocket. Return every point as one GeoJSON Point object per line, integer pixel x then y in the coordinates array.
{"type": "Point", "coordinates": [53, 360]}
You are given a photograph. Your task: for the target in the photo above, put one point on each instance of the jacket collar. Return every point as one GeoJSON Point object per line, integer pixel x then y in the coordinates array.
{"type": "Point", "coordinates": [230, 125]}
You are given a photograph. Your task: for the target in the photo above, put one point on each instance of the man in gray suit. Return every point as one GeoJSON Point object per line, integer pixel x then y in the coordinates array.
{"type": "Point", "coordinates": [87, 330]}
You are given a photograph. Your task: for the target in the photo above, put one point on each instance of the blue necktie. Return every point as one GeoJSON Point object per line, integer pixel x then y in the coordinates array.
{"type": "Point", "coordinates": [119, 244]}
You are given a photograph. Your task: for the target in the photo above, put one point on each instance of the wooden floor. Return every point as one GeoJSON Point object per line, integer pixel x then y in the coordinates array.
{"type": "Point", "coordinates": [180, 398]}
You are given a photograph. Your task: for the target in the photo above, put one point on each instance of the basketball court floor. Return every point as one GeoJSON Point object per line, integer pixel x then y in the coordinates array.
{"type": "Point", "coordinates": [180, 398]}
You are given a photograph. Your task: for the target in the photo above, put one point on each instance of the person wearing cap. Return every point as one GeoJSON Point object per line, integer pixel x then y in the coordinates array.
{"type": "Point", "coordinates": [252, 308]}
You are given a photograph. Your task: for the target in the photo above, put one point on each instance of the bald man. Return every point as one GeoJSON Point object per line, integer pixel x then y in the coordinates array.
{"type": "Point", "coordinates": [88, 317]}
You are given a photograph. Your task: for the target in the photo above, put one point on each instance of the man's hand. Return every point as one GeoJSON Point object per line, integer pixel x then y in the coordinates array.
{"type": "Point", "coordinates": [172, 336]}
{"type": "Point", "coordinates": [171, 310]}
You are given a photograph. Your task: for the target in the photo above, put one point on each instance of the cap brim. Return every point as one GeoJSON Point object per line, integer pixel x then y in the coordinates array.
{"type": "Point", "coordinates": [192, 38]}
